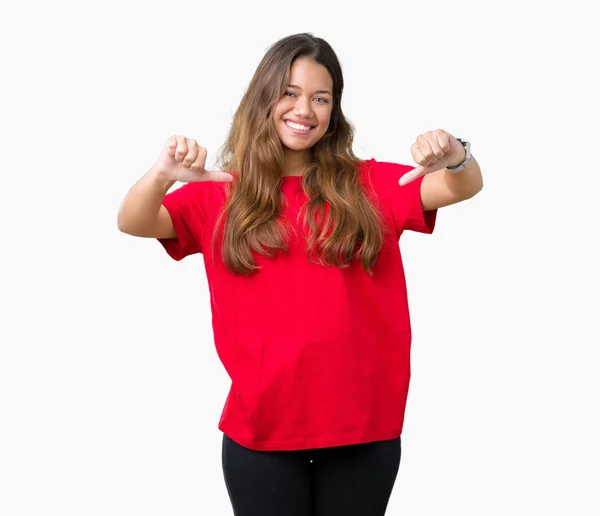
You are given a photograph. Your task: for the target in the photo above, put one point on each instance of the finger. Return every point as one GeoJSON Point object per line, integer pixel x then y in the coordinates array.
{"type": "Point", "coordinates": [419, 170]}
{"type": "Point", "coordinates": [200, 161]}
{"type": "Point", "coordinates": [192, 152]}
{"type": "Point", "coordinates": [182, 149]}
{"type": "Point", "coordinates": [412, 175]}
{"type": "Point", "coordinates": [443, 141]}
{"type": "Point", "coordinates": [436, 148]}
{"type": "Point", "coordinates": [418, 158]}
{"type": "Point", "coordinates": [427, 151]}
{"type": "Point", "coordinates": [171, 146]}
{"type": "Point", "coordinates": [221, 177]}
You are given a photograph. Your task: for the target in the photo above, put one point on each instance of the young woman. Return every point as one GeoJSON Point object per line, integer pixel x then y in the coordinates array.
{"type": "Point", "coordinates": [308, 295]}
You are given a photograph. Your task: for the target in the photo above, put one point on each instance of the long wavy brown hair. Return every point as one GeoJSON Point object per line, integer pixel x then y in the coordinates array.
{"type": "Point", "coordinates": [344, 224]}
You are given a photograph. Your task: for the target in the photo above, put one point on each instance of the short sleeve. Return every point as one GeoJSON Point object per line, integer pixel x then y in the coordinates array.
{"type": "Point", "coordinates": [185, 206]}
{"type": "Point", "coordinates": [404, 201]}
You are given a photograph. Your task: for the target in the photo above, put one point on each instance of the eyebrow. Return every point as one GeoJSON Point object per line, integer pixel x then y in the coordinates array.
{"type": "Point", "coordinates": [317, 91]}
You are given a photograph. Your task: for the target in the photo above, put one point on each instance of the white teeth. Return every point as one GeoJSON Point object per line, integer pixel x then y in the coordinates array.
{"type": "Point", "coordinates": [298, 126]}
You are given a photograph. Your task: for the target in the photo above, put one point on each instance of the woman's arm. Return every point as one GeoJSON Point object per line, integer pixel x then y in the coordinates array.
{"type": "Point", "coordinates": [442, 188]}
{"type": "Point", "coordinates": [433, 151]}
{"type": "Point", "coordinates": [141, 213]}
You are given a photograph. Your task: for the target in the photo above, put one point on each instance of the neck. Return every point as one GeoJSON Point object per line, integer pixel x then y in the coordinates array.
{"type": "Point", "coordinates": [294, 162]}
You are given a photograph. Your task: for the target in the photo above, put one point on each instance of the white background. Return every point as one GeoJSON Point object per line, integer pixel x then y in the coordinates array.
{"type": "Point", "coordinates": [110, 387]}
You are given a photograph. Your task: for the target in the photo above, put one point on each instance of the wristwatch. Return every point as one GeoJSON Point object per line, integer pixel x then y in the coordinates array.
{"type": "Point", "coordinates": [464, 162]}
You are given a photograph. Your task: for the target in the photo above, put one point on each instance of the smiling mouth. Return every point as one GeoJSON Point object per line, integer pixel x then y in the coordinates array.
{"type": "Point", "coordinates": [298, 128]}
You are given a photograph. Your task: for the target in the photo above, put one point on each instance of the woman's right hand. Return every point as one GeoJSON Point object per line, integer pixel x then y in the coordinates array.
{"type": "Point", "coordinates": [182, 159]}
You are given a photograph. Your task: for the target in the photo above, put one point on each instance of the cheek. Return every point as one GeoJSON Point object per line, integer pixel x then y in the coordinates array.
{"type": "Point", "coordinates": [276, 113]}
{"type": "Point", "coordinates": [325, 120]}
{"type": "Point", "coordinates": [281, 109]}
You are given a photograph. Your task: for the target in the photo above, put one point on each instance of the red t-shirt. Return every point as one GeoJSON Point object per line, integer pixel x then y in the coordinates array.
{"type": "Point", "coordinates": [317, 356]}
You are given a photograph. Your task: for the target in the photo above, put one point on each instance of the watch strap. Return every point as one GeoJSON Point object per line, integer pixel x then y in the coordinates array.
{"type": "Point", "coordinates": [464, 162]}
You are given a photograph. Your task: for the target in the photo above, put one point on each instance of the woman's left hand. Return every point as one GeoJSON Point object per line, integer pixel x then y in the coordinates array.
{"type": "Point", "coordinates": [432, 151]}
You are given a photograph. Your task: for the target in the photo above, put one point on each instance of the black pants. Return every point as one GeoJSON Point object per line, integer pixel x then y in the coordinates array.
{"type": "Point", "coordinates": [354, 480]}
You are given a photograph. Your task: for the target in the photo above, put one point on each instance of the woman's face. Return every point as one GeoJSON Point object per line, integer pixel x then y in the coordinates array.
{"type": "Point", "coordinates": [302, 115]}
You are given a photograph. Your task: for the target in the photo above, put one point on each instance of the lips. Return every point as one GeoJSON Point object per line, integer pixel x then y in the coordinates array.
{"type": "Point", "coordinates": [298, 122]}
{"type": "Point", "coordinates": [296, 131]}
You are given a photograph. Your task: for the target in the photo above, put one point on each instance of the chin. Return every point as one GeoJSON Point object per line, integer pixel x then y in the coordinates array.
{"type": "Point", "coordinates": [295, 146]}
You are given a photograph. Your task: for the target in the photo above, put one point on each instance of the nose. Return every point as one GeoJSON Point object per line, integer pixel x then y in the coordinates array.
{"type": "Point", "coordinates": [302, 108]}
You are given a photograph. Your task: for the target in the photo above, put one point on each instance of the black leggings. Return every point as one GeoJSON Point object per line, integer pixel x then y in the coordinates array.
{"type": "Point", "coordinates": [354, 480]}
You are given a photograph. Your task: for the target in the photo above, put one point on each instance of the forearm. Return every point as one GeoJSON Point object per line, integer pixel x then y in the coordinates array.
{"type": "Point", "coordinates": [466, 183]}
{"type": "Point", "coordinates": [139, 210]}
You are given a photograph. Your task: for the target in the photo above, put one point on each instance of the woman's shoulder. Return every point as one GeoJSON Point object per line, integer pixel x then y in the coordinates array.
{"type": "Point", "coordinates": [381, 167]}
{"type": "Point", "coordinates": [204, 188]}
{"type": "Point", "coordinates": [382, 173]}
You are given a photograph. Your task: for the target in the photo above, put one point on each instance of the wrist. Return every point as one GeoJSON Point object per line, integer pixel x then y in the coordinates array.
{"type": "Point", "coordinates": [159, 181]}
{"type": "Point", "coordinates": [467, 158]}
{"type": "Point", "coordinates": [159, 178]}
{"type": "Point", "coordinates": [463, 157]}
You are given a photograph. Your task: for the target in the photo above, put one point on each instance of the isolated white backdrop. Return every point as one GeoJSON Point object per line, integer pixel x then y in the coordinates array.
{"type": "Point", "coordinates": [110, 387]}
